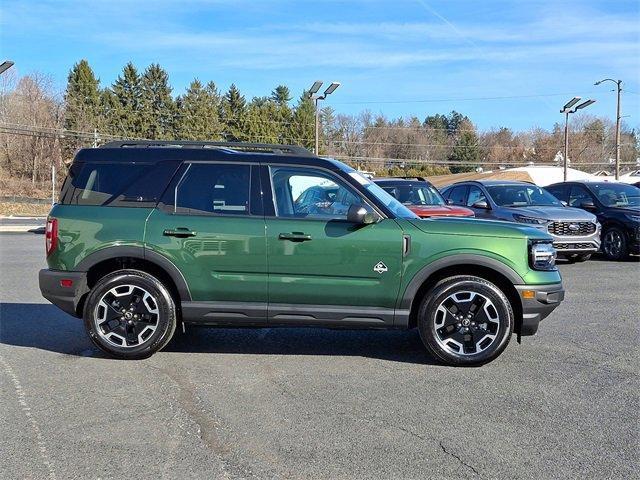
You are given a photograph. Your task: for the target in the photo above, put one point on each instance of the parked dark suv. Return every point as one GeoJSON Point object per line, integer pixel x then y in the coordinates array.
{"type": "Point", "coordinates": [617, 206]}
{"type": "Point", "coordinates": [148, 235]}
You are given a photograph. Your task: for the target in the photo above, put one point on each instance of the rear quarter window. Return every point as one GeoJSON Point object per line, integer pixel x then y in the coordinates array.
{"type": "Point", "coordinates": [116, 183]}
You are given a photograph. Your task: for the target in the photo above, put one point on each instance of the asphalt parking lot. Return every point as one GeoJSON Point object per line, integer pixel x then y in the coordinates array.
{"type": "Point", "coordinates": [307, 404]}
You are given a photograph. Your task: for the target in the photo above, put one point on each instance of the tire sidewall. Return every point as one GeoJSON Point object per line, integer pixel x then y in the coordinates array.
{"type": "Point", "coordinates": [166, 313]}
{"type": "Point", "coordinates": [427, 312]}
{"type": "Point", "coordinates": [623, 249]}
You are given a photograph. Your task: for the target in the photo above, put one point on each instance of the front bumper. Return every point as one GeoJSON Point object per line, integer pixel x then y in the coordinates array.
{"type": "Point", "coordinates": [64, 297]}
{"type": "Point", "coordinates": [538, 301]}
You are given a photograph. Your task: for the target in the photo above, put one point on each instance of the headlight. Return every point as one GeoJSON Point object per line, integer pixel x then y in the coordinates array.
{"type": "Point", "coordinates": [542, 256]}
{"type": "Point", "coordinates": [529, 220]}
{"type": "Point", "coordinates": [632, 217]}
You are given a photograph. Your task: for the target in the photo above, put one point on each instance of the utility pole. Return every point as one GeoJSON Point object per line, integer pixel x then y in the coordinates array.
{"type": "Point", "coordinates": [618, 117]}
{"type": "Point", "coordinates": [567, 109]}
{"type": "Point", "coordinates": [95, 138]}
{"type": "Point", "coordinates": [312, 95]}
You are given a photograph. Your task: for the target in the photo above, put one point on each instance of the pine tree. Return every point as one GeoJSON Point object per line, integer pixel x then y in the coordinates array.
{"type": "Point", "coordinates": [233, 111]}
{"type": "Point", "coordinates": [127, 89]}
{"type": "Point", "coordinates": [466, 149]}
{"type": "Point", "coordinates": [281, 95]}
{"type": "Point", "coordinates": [82, 98]}
{"type": "Point", "coordinates": [197, 117]}
{"type": "Point", "coordinates": [302, 128]}
{"type": "Point", "coordinates": [157, 105]}
{"type": "Point", "coordinates": [261, 121]}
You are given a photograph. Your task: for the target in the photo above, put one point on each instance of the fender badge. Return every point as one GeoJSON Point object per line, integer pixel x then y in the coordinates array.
{"type": "Point", "coordinates": [380, 268]}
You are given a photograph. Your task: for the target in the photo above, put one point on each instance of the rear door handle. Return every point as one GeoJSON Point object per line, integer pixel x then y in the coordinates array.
{"type": "Point", "coordinates": [295, 237]}
{"type": "Point", "coordinates": [179, 232]}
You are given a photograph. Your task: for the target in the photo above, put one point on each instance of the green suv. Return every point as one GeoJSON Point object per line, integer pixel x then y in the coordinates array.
{"type": "Point", "coordinates": [149, 236]}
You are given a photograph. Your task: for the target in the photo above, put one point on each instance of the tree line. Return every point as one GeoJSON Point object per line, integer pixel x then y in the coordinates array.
{"type": "Point", "coordinates": [39, 128]}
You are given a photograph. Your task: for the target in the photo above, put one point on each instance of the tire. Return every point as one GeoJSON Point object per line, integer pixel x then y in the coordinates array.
{"type": "Point", "coordinates": [614, 244]}
{"type": "Point", "coordinates": [130, 314]}
{"type": "Point", "coordinates": [579, 258]}
{"type": "Point", "coordinates": [440, 329]}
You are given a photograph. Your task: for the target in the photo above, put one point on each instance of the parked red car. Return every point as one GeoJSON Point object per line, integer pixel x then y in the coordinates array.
{"type": "Point", "coordinates": [421, 197]}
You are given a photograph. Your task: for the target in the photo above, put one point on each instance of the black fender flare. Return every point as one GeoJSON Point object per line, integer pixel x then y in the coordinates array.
{"type": "Point", "coordinates": [465, 259]}
{"type": "Point", "coordinates": [133, 251]}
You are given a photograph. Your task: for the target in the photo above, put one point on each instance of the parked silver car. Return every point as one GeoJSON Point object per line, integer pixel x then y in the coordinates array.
{"type": "Point", "coordinates": [576, 233]}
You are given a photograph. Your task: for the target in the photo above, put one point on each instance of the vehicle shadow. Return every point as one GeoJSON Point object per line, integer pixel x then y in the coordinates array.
{"type": "Point", "coordinates": [45, 327]}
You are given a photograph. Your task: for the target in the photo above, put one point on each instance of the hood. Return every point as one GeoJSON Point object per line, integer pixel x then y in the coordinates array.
{"type": "Point", "coordinates": [425, 211]}
{"type": "Point", "coordinates": [553, 213]}
{"type": "Point", "coordinates": [479, 227]}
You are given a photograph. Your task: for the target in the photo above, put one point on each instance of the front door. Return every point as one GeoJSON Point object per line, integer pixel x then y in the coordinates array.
{"type": "Point", "coordinates": [210, 225]}
{"type": "Point", "coordinates": [323, 268]}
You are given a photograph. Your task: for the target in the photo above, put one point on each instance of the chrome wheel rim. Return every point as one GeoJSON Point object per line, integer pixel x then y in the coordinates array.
{"type": "Point", "coordinates": [126, 316]}
{"type": "Point", "coordinates": [466, 323]}
{"type": "Point", "coordinates": [612, 243]}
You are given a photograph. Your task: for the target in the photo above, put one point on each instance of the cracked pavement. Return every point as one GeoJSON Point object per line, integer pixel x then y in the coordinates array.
{"type": "Point", "coordinates": [320, 404]}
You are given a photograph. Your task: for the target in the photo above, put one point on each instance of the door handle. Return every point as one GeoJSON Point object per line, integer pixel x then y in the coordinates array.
{"type": "Point", "coordinates": [179, 232]}
{"type": "Point", "coordinates": [295, 237]}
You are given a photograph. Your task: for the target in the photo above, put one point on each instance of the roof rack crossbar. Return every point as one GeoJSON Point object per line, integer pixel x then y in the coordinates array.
{"type": "Point", "coordinates": [239, 146]}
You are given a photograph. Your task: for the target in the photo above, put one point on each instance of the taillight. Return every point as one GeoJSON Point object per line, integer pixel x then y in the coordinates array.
{"type": "Point", "coordinates": [51, 235]}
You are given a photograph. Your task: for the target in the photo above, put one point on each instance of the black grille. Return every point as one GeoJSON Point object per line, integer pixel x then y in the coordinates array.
{"type": "Point", "coordinates": [572, 229]}
{"type": "Point", "coordinates": [574, 246]}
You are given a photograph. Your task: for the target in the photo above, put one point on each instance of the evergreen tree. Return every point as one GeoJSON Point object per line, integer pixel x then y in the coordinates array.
{"type": "Point", "coordinates": [233, 111]}
{"type": "Point", "coordinates": [466, 149]}
{"type": "Point", "coordinates": [302, 128]}
{"type": "Point", "coordinates": [261, 121]}
{"type": "Point", "coordinates": [127, 89]}
{"type": "Point", "coordinates": [82, 98]}
{"type": "Point", "coordinates": [157, 105]}
{"type": "Point", "coordinates": [109, 108]}
{"type": "Point", "coordinates": [197, 117]}
{"type": "Point", "coordinates": [281, 95]}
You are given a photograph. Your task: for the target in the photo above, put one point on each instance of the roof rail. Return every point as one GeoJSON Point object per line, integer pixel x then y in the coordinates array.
{"type": "Point", "coordinates": [238, 146]}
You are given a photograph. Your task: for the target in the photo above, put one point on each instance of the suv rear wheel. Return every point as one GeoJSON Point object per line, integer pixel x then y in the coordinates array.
{"type": "Point", "coordinates": [130, 314]}
{"type": "Point", "coordinates": [465, 321]}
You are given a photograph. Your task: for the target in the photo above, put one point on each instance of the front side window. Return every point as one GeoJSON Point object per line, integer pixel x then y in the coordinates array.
{"type": "Point", "coordinates": [475, 195]}
{"type": "Point", "coordinates": [578, 196]}
{"type": "Point", "coordinates": [522, 196]}
{"type": "Point", "coordinates": [617, 194]}
{"type": "Point", "coordinates": [309, 193]}
{"type": "Point", "coordinates": [210, 188]}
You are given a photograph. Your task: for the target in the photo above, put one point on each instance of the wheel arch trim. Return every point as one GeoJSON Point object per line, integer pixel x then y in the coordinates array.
{"type": "Point", "coordinates": [139, 252]}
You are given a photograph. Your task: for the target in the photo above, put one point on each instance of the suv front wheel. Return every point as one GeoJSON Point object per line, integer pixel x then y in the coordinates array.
{"type": "Point", "coordinates": [130, 314]}
{"type": "Point", "coordinates": [465, 321]}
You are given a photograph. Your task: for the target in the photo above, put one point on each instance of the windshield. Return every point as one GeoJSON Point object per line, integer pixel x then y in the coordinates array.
{"type": "Point", "coordinates": [415, 194]}
{"type": "Point", "coordinates": [522, 196]}
{"type": "Point", "coordinates": [617, 194]}
{"type": "Point", "coordinates": [392, 204]}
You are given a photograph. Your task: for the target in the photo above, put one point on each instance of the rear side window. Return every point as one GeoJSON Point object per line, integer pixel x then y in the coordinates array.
{"type": "Point", "coordinates": [116, 184]}
{"type": "Point", "coordinates": [210, 188]}
{"type": "Point", "coordinates": [457, 195]}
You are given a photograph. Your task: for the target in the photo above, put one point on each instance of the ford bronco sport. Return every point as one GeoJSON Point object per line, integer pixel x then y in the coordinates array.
{"type": "Point", "coordinates": [151, 235]}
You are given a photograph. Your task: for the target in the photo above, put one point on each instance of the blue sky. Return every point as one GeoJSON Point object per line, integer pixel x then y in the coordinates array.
{"type": "Point", "coordinates": [402, 57]}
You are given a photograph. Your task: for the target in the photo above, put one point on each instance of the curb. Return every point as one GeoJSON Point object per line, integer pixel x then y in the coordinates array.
{"type": "Point", "coordinates": [22, 228]}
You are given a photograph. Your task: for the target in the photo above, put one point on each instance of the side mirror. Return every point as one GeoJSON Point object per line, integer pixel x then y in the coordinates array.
{"type": "Point", "coordinates": [564, 203]}
{"type": "Point", "coordinates": [588, 205]}
{"type": "Point", "coordinates": [481, 204]}
{"type": "Point", "coordinates": [362, 215]}
{"type": "Point", "coordinates": [449, 201]}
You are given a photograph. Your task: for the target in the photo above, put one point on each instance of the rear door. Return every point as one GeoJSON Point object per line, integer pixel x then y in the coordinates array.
{"type": "Point", "coordinates": [211, 226]}
{"type": "Point", "coordinates": [323, 268]}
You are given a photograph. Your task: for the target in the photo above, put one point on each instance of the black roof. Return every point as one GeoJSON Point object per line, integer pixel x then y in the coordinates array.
{"type": "Point", "coordinates": [159, 151]}
{"type": "Point", "coordinates": [489, 183]}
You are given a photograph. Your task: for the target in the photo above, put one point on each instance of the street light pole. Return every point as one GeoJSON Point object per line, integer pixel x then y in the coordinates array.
{"type": "Point", "coordinates": [312, 95]}
{"type": "Point", "coordinates": [618, 117]}
{"type": "Point", "coordinates": [567, 109]}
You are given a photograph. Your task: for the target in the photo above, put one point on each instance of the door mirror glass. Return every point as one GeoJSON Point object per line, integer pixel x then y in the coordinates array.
{"type": "Point", "coordinates": [588, 205]}
{"type": "Point", "coordinates": [481, 204]}
{"type": "Point", "coordinates": [362, 215]}
{"type": "Point", "coordinates": [449, 201]}
{"type": "Point", "coordinates": [564, 203]}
